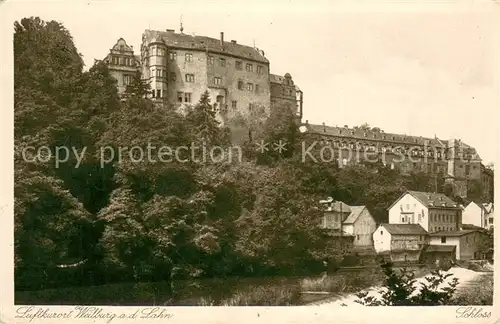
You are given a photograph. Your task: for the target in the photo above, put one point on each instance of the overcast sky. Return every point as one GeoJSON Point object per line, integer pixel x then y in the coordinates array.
{"type": "Point", "coordinates": [423, 72]}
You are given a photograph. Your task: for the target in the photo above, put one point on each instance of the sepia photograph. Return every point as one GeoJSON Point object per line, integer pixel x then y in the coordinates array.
{"type": "Point", "coordinates": [182, 154]}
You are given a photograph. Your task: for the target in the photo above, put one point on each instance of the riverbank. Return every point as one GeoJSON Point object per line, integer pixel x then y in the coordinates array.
{"type": "Point", "coordinates": [468, 280]}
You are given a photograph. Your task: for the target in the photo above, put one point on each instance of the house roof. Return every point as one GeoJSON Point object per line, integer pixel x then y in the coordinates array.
{"type": "Point", "coordinates": [405, 229]}
{"type": "Point", "coordinates": [440, 248]}
{"type": "Point", "coordinates": [185, 41]}
{"type": "Point", "coordinates": [454, 233]}
{"type": "Point", "coordinates": [430, 199]}
{"type": "Point", "coordinates": [353, 216]}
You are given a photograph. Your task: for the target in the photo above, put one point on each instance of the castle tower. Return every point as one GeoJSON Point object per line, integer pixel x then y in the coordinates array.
{"type": "Point", "coordinates": [157, 52]}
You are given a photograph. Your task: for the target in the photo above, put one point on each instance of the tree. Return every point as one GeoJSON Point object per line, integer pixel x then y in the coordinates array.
{"type": "Point", "coordinates": [401, 290]}
{"type": "Point", "coordinates": [139, 86]}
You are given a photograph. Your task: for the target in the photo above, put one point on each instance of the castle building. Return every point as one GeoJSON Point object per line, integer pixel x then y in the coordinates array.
{"type": "Point", "coordinates": [453, 160]}
{"type": "Point", "coordinates": [285, 94]}
{"type": "Point", "coordinates": [181, 67]}
{"type": "Point", "coordinates": [122, 64]}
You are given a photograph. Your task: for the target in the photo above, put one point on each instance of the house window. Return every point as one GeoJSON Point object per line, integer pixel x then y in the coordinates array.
{"type": "Point", "coordinates": [179, 96]}
{"type": "Point", "coordinates": [250, 106]}
{"type": "Point", "coordinates": [153, 93]}
{"type": "Point", "coordinates": [250, 86]}
{"type": "Point", "coordinates": [217, 80]}
{"type": "Point", "coordinates": [158, 93]}
{"type": "Point", "coordinates": [189, 77]}
{"type": "Point", "coordinates": [403, 218]}
{"type": "Point", "coordinates": [257, 89]}
{"type": "Point", "coordinates": [222, 61]}
{"type": "Point", "coordinates": [357, 237]}
{"type": "Point", "coordinates": [240, 85]}
{"type": "Point", "coordinates": [249, 67]}
{"type": "Point", "coordinates": [239, 65]}
{"type": "Point", "coordinates": [259, 69]}
{"type": "Point", "coordinates": [210, 60]}
{"type": "Point", "coordinates": [381, 232]}
{"type": "Point", "coordinates": [173, 76]}
{"type": "Point", "coordinates": [234, 104]}
{"type": "Point", "coordinates": [490, 220]}
{"type": "Point", "coordinates": [187, 97]}
{"type": "Point", "coordinates": [443, 239]}
{"type": "Point", "coordinates": [172, 56]}
{"type": "Point", "coordinates": [189, 57]}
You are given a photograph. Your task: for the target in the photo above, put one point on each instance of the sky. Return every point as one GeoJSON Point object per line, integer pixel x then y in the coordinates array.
{"type": "Point", "coordinates": [430, 70]}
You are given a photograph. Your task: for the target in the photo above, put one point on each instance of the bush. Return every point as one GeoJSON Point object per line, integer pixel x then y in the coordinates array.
{"type": "Point", "coordinates": [342, 282]}
{"type": "Point", "coordinates": [400, 289]}
{"type": "Point", "coordinates": [257, 296]}
{"type": "Point", "coordinates": [479, 292]}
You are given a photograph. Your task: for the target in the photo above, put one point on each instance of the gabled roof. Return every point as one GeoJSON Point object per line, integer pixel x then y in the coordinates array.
{"type": "Point", "coordinates": [454, 233]}
{"type": "Point", "coordinates": [430, 199]}
{"type": "Point", "coordinates": [405, 229]}
{"type": "Point", "coordinates": [185, 41]}
{"type": "Point", "coordinates": [355, 212]}
{"type": "Point", "coordinates": [339, 206]}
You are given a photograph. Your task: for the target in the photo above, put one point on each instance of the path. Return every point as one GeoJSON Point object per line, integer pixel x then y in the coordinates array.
{"type": "Point", "coordinates": [465, 278]}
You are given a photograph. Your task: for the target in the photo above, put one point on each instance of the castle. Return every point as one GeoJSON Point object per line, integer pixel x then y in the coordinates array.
{"type": "Point", "coordinates": [181, 67]}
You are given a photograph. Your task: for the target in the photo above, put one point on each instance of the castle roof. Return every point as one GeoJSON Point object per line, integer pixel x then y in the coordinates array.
{"type": "Point", "coordinates": [204, 43]}
{"type": "Point", "coordinates": [379, 135]}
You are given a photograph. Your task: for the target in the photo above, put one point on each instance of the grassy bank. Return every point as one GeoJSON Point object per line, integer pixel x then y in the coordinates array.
{"type": "Point", "coordinates": [476, 292]}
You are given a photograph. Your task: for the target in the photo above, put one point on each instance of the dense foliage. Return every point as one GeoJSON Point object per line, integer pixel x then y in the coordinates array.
{"type": "Point", "coordinates": [104, 214]}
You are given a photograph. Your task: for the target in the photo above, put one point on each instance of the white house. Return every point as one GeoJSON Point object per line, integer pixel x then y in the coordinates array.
{"type": "Point", "coordinates": [404, 242]}
{"type": "Point", "coordinates": [478, 214]}
{"type": "Point", "coordinates": [361, 225]}
{"type": "Point", "coordinates": [433, 211]}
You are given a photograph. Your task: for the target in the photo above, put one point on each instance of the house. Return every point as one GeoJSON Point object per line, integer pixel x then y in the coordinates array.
{"type": "Point", "coordinates": [355, 221]}
{"type": "Point", "coordinates": [433, 211]}
{"type": "Point", "coordinates": [335, 213]}
{"type": "Point", "coordinates": [403, 242]}
{"type": "Point", "coordinates": [361, 224]}
{"type": "Point", "coordinates": [478, 214]}
{"type": "Point", "coordinates": [469, 243]}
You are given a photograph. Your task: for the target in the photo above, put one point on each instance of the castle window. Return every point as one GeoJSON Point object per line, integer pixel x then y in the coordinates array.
{"type": "Point", "coordinates": [250, 106]}
{"type": "Point", "coordinates": [239, 65]}
{"type": "Point", "coordinates": [187, 97]}
{"type": "Point", "coordinates": [222, 61]}
{"type": "Point", "coordinates": [173, 76]}
{"type": "Point", "coordinates": [250, 86]}
{"type": "Point", "coordinates": [179, 96]}
{"type": "Point", "coordinates": [257, 89]}
{"type": "Point", "coordinates": [443, 239]}
{"type": "Point", "coordinates": [172, 56]}
{"type": "Point", "coordinates": [217, 80]}
{"type": "Point", "coordinates": [234, 104]}
{"type": "Point", "coordinates": [259, 69]}
{"type": "Point", "coordinates": [189, 77]}
{"type": "Point", "coordinates": [249, 67]}
{"type": "Point", "coordinates": [158, 93]}
{"type": "Point", "coordinates": [153, 93]}
{"type": "Point", "coordinates": [189, 57]}
{"type": "Point", "coordinates": [240, 85]}
{"type": "Point", "coordinates": [210, 60]}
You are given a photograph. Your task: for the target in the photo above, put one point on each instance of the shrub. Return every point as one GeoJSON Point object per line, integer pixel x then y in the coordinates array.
{"type": "Point", "coordinates": [479, 292]}
{"type": "Point", "coordinates": [400, 289]}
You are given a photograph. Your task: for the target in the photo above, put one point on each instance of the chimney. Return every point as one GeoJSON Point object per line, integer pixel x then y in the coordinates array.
{"type": "Point", "coordinates": [307, 121]}
{"type": "Point", "coordinates": [221, 39]}
{"type": "Point", "coordinates": [324, 128]}
{"type": "Point", "coordinates": [132, 48]}
{"type": "Point", "coordinates": [233, 41]}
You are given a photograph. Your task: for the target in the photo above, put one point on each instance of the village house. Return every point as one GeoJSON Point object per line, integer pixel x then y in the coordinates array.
{"type": "Point", "coordinates": [468, 243]}
{"type": "Point", "coordinates": [349, 221]}
{"type": "Point", "coordinates": [478, 214]}
{"type": "Point", "coordinates": [403, 242]}
{"type": "Point", "coordinates": [433, 211]}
